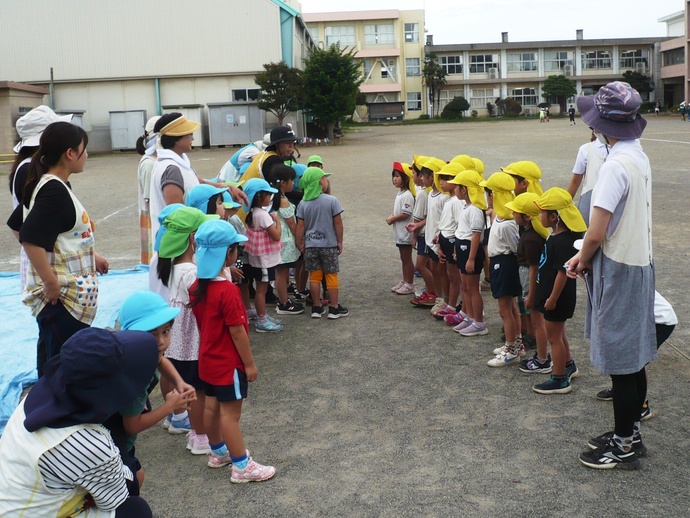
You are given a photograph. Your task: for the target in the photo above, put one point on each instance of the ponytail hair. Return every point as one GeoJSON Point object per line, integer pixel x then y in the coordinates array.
{"type": "Point", "coordinates": [164, 269]}
{"type": "Point", "coordinates": [24, 153]}
{"type": "Point", "coordinates": [199, 293]}
{"type": "Point", "coordinates": [57, 138]}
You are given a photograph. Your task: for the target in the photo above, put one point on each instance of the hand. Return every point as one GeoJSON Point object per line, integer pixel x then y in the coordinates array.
{"type": "Point", "coordinates": [576, 266]}
{"type": "Point", "coordinates": [469, 266]}
{"type": "Point", "coordinates": [238, 195]}
{"type": "Point", "coordinates": [236, 274]}
{"type": "Point", "coordinates": [251, 372]}
{"type": "Point", "coordinates": [51, 290]}
{"type": "Point", "coordinates": [441, 256]}
{"type": "Point", "coordinates": [300, 246]}
{"type": "Point", "coordinates": [186, 390]}
{"type": "Point", "coordinates": [102, 265]}
{"type": "Point", "coordinates": [176, 401]}
{"type": "Point", "coordinates": [388, 220]}
{"type": "Point", "coordinates": [550, 304]}
{"type": "Point", "coordinates": [340, 248]}
{"type": "Point", "coordinates": [411, 227]}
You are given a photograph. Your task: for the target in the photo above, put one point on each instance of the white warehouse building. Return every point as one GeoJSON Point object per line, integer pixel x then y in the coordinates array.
{"type": "Point", "coordinates": [119, 62]}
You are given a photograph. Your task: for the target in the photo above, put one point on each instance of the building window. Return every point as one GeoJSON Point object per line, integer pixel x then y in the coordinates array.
{"type": "Point", "coordinates": [480, 96]}
{"type": "Point", "coordinates": [411, 33]}
{"type": "Point", "coordinates": [366, 63]}
{"type": "Point", "coordinates": [378, 34]}
{"type": "Point", "coordinates": [344, 34]}
{"type": "Point", "coordinates": [481, 63]}
{"type": "Point", "coordinates": [314, 31]}
{"type": "Point", "coordinates": [452, 64]}
{"type": "Point", "coordinates": [414, 101]}
{"type": "Point", "coordinates": [674, 57]}
{"type": "Point", "coordinates": [245, 94]}
{"type": "Point", "coordinates": [557, 61]}
{"type": "Point", "coordinates": [630, 59]}
{"type": "Point", "coordinates": [413, 67]}
{"type": "Point", "coordinates": [388, 69]}
{"type": "Point", "coordinates": [525, 96]}
{"type": "Point", "coordinates": [447, 96]}
{"type": "Point", "coordinates": [522, 62]}
{"type": "Point", "coordinates": [596, 60]}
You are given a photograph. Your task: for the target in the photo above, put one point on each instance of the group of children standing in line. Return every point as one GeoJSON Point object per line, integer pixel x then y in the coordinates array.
{"type": "Point", "coordinates": [456, 220]}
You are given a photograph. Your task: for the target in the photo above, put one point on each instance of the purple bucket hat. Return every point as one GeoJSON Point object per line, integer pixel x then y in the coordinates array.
{"type": "Point", "coordinates": [613, 111]}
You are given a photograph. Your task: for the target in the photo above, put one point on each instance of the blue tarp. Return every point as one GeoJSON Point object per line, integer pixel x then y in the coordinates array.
{"type": "Point", "coordinates": [20, 332]}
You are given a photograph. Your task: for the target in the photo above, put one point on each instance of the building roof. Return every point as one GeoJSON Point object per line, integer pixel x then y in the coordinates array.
{"type": "Point", "coordinates": [544, 44]}
{"type": "Point", "coordinates": [11, 85]}
{"type": "Point", "coordinates": [346, 16]}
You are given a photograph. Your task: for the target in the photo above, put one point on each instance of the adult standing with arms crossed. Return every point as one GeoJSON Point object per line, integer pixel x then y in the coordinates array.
{"type": "Point", "coordinates": [616, 261]}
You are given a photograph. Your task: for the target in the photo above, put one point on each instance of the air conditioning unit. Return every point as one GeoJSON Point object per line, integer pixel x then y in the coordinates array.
{"type": "Point", "coordinates": [640, 67]}
{"type": "Point", "coordinates": [568, 70]}
{"type": "Point", "coordinates": [493, 73]}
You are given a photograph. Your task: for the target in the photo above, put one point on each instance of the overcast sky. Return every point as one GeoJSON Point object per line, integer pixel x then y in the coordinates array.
{"type": "Point", "coordinates": [483, 21]}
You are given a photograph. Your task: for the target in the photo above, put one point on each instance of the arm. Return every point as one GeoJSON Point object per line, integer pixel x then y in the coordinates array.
{"type": "Point", "coordinates": [598, 223]}
{"type": "Point", "coordinates": [338, 224]}
{"type": "Point", "coordinates": [290, 222]}
{"type": "Point", "coordinates": [173, 401]}
{"type": "Point", "coordinates": [173, 194]}
{"type": "Point", "coordinates": [474, 246]}
{"type": "Point", "coordinates": [416, 225]}
{"type": "Point", "coordinates": [574, 184]}
{"type": "Point", "coordinates": [39, 260]}
{"type": "Point", "coordinates": [400, 217]}
{"type": "Point", "coordinates": [273, 231]}
{"type": "Point", "coordinates": [167, 369]}
{"type": "Point", "coordinates": [533, 273]}
{"type": "Point", "coordinates": [558, 286]}
{"type": "Point", "coordinates": [241, 341]}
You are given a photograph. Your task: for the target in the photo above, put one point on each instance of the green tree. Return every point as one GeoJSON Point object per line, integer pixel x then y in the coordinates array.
{"type": "Point", "coordinates": [282, 89]}
{"type": "Point", "coordinates": [331, 84]}
{"type": "Point", "coordinates": [434, 78]}
{"type": "Point", "coordinates": [455, 109]}
{"type": "Point", "coordinates": [640, 82]}
{"type": "Point", "coordinates": [559, 88]}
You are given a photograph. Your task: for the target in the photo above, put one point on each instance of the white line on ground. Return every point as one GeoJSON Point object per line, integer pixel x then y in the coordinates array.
{"type": "Point", "coordinates": [662, 140]}
{"type": "Point", "coordinates": [117, 212]}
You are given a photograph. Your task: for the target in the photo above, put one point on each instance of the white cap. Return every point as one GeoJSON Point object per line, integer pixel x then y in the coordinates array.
{"type": "Point", "coordinates": [32, 125]}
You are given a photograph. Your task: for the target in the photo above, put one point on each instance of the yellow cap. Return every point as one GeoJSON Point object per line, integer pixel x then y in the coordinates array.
{"type": "Point", "coordinates": [451, 169]}
{"type": "Point", "coordinates": [464, 160]}
{"type": "Point", "coordinates": [471, 179]}
{"type": "Point", "coordinates": [434, 164]}
{"type": "Point", "coordinates": [527, 170]}
{"type": "Point", "coordinates": [525, 204]}
{"type": "Point", "coordinates": [560, 200]}
{"type": "Point", "coordinates": [478, 166]}
{"type": "Point", "coordinates": [502, 185]}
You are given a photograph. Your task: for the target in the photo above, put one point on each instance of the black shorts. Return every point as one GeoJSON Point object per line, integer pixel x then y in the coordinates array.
{"type": "Point", "coordinates": [224, 393]}
{"type": "Point", "coordinates": [402, 245]}
{"type": "Point", "coordinates": [663, 331]}
{"type": "Point", "coordinates": [189, 371]}
{"type": "Point", "coordinates": [485, 236]}
{"type": "Point", "coordinates": [432, 255]}
{"type": "Point", "coordinates": [421, 246]}
{"type": "Point", "coordinates": [447, 245]}
{"type": "Point", "coordinates": [462, 252]}
{"type": "Point", "coordinates": [252, 273]}
{"type": "Point", "coordinates": [282, 266]}
{"type": "Point", "coordinates": [505, 276]}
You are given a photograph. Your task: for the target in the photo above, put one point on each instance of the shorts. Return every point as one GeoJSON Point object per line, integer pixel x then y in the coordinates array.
{"type": "Point", "coordinates": [447, 245]}
{"type": "Point", "coordinates": [462, 251]}
{"type": "Point", "coordinates": [282, 266]}
{"type": "Point", "coordinates": [189, 371]}
{"type": "Point", "coordinates": [485, 236]}
{"type": "Point", "coordinates": [663, 331]}
{"type": "Point", "coordinates": [253, 273]}
{"type": "Point", "coordinates": [432, 255]}
{"type": "Point", "coordinates": [234, 392]}
{"type": "Point", "coordinates": [505, 276]}
{"type": "Point", "coordinates": [421, 246]}
{"type": "Point", "coordinates": [402, 245]}
{"type": "Point", "coordinates": [325, 259]}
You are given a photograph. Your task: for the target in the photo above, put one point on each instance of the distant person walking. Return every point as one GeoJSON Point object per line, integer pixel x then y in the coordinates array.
{"type": "Point", "coordinates": [571, 115]}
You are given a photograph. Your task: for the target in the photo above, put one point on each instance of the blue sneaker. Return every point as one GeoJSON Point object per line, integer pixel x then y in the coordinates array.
{"type": "Point", "coordinates": [166, 422]}
{"type": "Point", "coordinates": [179, 427]}
{"type": "Point", "coordinates": [266, 325]}
{"type": "Point", "coordinates": [571, 370]}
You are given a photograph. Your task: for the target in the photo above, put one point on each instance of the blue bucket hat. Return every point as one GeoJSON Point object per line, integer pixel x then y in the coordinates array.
{"type": "Point", "coordinates": [253, 186]}
{"type": "Point", "coordinates": [229, 203]}
{"type": "Point", "coordinates": [199, 195]}
{"type": "Point", "coordinates": [613, 111]}
{"type": "Point", "coordinates": [145, 311]}
{"type": "Point", "coordinates": [212, 241]}
{"type": "Point", "coordinates": [167, 210]}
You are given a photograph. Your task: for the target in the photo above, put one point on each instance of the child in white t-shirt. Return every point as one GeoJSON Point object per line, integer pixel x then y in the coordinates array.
{"type": "Point", "coordinates": [401, 217]}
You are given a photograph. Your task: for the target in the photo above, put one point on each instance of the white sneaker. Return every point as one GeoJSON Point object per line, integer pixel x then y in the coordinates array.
{"type": "Point", "coordinates": [405, 289]}
{"type": "Point", "coordinates": [395, 288]}
{"type": "Point", "coordinates": [503, 359]}
{"type": "Point", "coordinates": [521, 350]}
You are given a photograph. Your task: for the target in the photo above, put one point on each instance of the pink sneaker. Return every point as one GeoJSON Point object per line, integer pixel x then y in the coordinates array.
{"type": "Point", "coordinates": [455, 318]}
{"type": "Point", "coordinates": [254, 472]}
{"type": "Point", "coordinates": [216, 461]}
{"type": "Point", "coordinates": [198, 444]}
{"type": "Point", "coordinates": [446, 311]}
{"type": "Point", "coordinates": [462, 325]}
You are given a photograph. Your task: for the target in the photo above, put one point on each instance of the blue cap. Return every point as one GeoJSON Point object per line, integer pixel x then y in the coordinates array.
{"type": "Point", "coordinates": [212, 241]}
{"type": "Point", "coordinates": [299, 172]}
{"type": "Point", "coordinates": [253, 186]}
{"type": "Point", "coordinates": [167, 210]}
{"type": "Point", "coordinates": [229, 203]}
{"type": "Point", "coordinates": [199, 195]}
{"type": "Point", "coordinates": [145, 311]}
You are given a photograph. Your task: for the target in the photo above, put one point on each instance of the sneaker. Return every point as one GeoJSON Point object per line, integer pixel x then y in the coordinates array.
{"type": "Point", "coordinates": [252, 314]}
{"type": "Point", "coordinates": [266, 325]}
{"type": "Point", "coordinates": [555, 385]}
{"type": "Point", "coordinates": [166, 422]}
{"type": "Point", "coordinates": [299, 295]}
{"type": "Point", "coordinates": [443, 312]}
{"type": "Point", "coordinates": [417, 273]}
{"type": "Point", "coordinates": [646, 412]}
{"type": "Point", "coordinates": [462, 325]}
{"type": "Point", "coordinates": [475, 329]}
{"type": "Point", "coordinates": [405, 289]}
{"type": "Point", "coordinates": [316, 311]}
{"type": "Point", "coordinates": [395, 288]}
{"type": "Point", "coordinates": [529, 341]}
{"type": "Point", "coordinates": [338, 312]}
{"type": "Point", "coordinates": [254, 472]}
{"type": "Point", "coordinates": [533, 364]}
{"type": "Point", "coordinates": [505, 358]}
{"type": "Point", "coordinates": [602, 440]}
{"type": "Point", "coordinates": [605, 395]}
{"type": "Point", "coordinates": [521, 350]}
{"type": "Point", "coordinates": [179, 427]}
{"type": "Point", "coordinates": [455, 318]}
{"type": "Point", "coordinates": [571, 370]}
{"type": "Point", "coordinates": [197, 444]}
{"type": "Point", "coordinates": [289, 308]}
{"type": "Point", "coordinates": [439, 305]}
{"type": "Point", "coordinates": [610, 457]}
{"type": "Point", "coordinates": [218, 461]}
{"type": "Point", "coordinates": [425, 299]}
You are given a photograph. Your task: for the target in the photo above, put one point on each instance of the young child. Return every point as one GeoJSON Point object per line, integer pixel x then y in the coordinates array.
{"type": "Point", "coordinates": [284, 180]}
{"type": "Point", "coordinates": [527, 176]}
{"type": "Point", "coordinates": [469, 253]}
{"type": "Point", "coordinates": [529, 251]}
{"type": "Point", "coordinates": [263, 248]}
{"type": "Point", "coordinates": [505, 279]}
{"type": "Point", "coordinates": [556, 292]}
{"type": "Point", "coordinates": [445, 237]}
{"type": "Point", "coordinates": [177, 250]}
{"type": "Point", "coordinates": [320, 237]}
{"type": "Point", "coordinates": [148, 311]}
{"type": "Point", "coordinates": [418, 229]}
{"type": "Point", "coordinates": [226, 364]}
{"type": "Point", "coordinates": [402, 214]}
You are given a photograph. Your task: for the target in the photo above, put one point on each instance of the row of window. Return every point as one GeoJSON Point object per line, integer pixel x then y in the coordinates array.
{"type": "Point", "coordinates": [526, 96]}
{"type": "Point", "coordinates": [375, 34]}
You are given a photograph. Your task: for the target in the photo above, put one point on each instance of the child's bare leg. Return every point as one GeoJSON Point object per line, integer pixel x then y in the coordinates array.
{"type": "Point", "coordinates": [260, 298]}
{"type": "Point", "coordinates": [230, 413]}
{"type": "Point", "coordinates": [301, 275]}
{"type": "Point", "coordinates": [474, 295]}
{"type": "Point", "coordinates": [554, 332]}
{"type": "Point", "coordinates": [467, 306]}
{"type": "Point", "coordinates": [246, 299]}
{"type": "Point", "coordinates": [443, 280]}
{"type": "Point", "coordinates": [453, 284]}
{"type": "Point", "coordinates": [506, 305]}
{"type": "Point", "coordinates": [566, 343]}
{"type": "Point", "coordinates": [422, 265]}
{"type": "Point", "coordinates": [196, 413]}
{"type": "Point", "coordinates": [537, 318]}
{"type": "Point", "coordinates": [516, 317]}
{"type": "Point", "coordinates": [212, 420]}
{"type": "Point", "coordinates": [282, 277]}
{"type": "Point", "coordinates": [407, 264]}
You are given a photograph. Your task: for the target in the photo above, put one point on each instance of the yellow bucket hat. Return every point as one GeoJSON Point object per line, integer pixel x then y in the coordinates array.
{"type": "Point", "coordinates": [560, 200]}
{"type": "Point", "coordinates": [471, 179]}
{"type": "Point", "coordinates": [406, 169]}
{"type": "Point", "coordinates": [418, 161]}
{"type": "Point", "coordinates": [434, 164]}
{"type": "Point", "coordinates": [464, 160]}
{"type": "Point", "coordinates": [478, 166]}
{"type": "Point", "coordinates": [451, 169]}
{"type": "Point", "coordinates": [527, 170]}
{"type": "Point", "coordinates": [502, 185]}
{"type": "Point", "coordinates": [525, 204]}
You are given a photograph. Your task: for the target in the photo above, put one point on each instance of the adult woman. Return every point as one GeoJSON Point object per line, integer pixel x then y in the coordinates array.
{"type": "Point", "coordinates": [617, 250]}
{"type": "Point", "coordinates": [55, 457]}
{"type": "Point", "coordinates": [57, 236]}
{"type": "Point", "coordinates": [146, 146]}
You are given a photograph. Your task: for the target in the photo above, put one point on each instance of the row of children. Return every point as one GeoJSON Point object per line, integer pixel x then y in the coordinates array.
{"type": "Point", "coordinates": [444, 209]}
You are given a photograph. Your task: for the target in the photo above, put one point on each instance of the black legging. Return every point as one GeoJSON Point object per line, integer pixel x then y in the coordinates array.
{"type": "Point", "coordinates": [134, 507]}
{"type": "Point", "coordinates": [629, 394]}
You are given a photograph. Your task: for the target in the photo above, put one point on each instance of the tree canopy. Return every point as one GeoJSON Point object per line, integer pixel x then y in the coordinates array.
{"type": "Point", "coordinates": [331, 83]}
{"type": "Point", "coordinates": [640, 82]}
{"type": "Point", "coordinates": [434, 78]}
{"type": "Point", "coordinates": [560, 88]}
{"type": "Point", "coordinates": [455, 109]}
{"type": "Point", "coordinates": [282, 89]}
